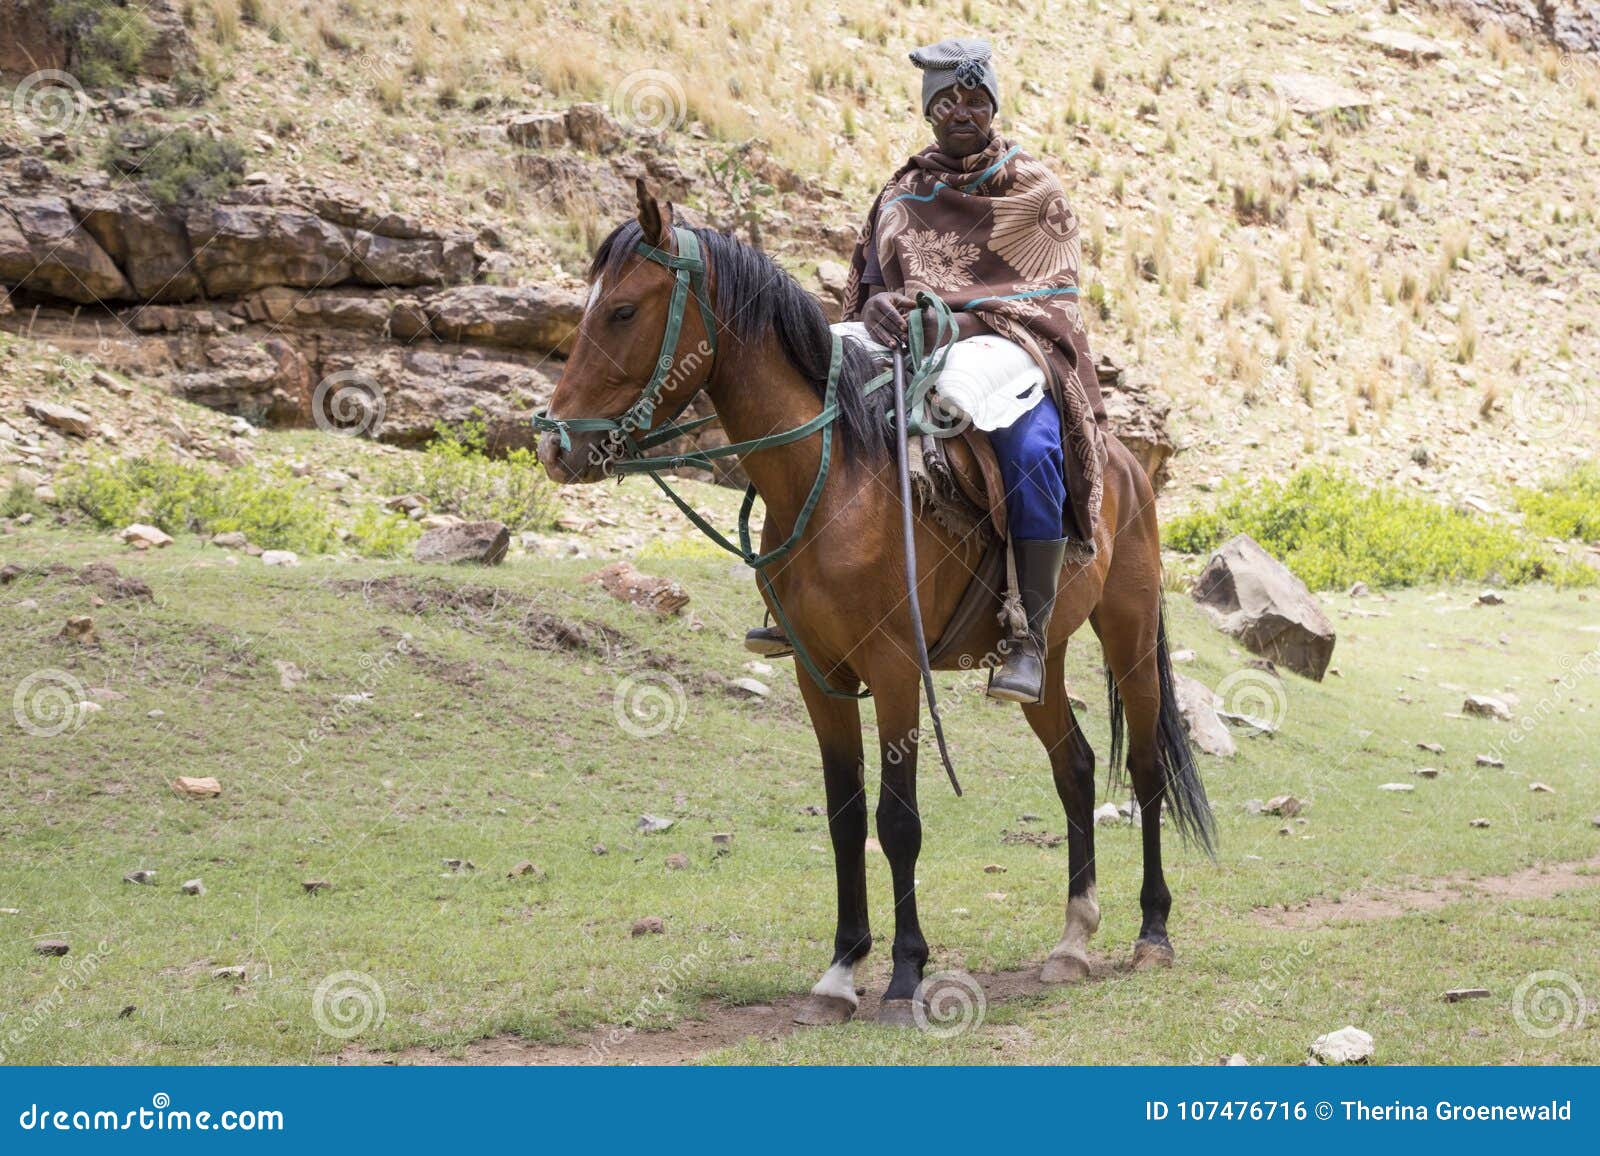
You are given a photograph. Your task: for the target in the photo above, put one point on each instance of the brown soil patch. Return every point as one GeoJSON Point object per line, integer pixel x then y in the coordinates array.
{"type": "Point", "coordinates": [471, 606]}
{"type": "Point", "coordinates": [720, 1027]}
{"type": "Point", "coordinates": [1391, 903]}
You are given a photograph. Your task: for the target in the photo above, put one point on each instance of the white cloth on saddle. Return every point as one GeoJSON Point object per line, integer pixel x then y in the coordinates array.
{"type": "Point", "coordinates": [987, 378]}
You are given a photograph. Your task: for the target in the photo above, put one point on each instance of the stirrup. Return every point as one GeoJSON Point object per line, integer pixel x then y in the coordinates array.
{"type": "Point", "coordinates": [769, 642]}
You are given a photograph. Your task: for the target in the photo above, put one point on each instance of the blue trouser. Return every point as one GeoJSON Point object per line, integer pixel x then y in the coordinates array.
{"type": "Point", "coordinates": [1034, 470]}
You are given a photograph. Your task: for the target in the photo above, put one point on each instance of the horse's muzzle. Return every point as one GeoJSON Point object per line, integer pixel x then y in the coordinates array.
{"type": "Point", "coordinates": [583, 461]}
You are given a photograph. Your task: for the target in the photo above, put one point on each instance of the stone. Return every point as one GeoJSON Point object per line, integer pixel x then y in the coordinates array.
{"type": "Point", "coordinates": [1490, 761]}
{"type": "Point", "coordinates": [542, 130]}
{"type": "Point", "coordinates": [1479, 823]}
{"type": "Point", "coordinates": [144, 240]}
{"type": "Point", "coordinates": [591, 126]}
{"type": "Point", "coordinates": [144, 878]}
{"type": "Point", "coordinates": [62, 417]}
{"type": "Point", "coordinates": [1541, 789]}
{"type": "Point", "coordinates": [1490, 598]}
{"type": "Point", "coordinates": [79, 629]}
{"type": "Point", "coordinates": [662, 596]}
{"type": "Point", "coordinates": [524, 867]}
{"type": "Point", "coordinates": [197, 788]}
{"type": "Point", "coordinates": [289, 674]}
{"type": "Point", "coordinates": [279, 558]}
{"type": "Point", "coordinates": [1312, 95]}
{"type": "Point", "coordinates": [485, 543]}
{"type": "Point", "coordinates": [230, 540]}
{"type": "Point", "coordinates": [749, 687]}
{"type": "Point", "coordinates": [652, 824]}
{"type": "Point", "coordinates": [1457, 994]}
{"type": "Point", "coordinates": [43, 249]}
{"type": "Point", "coordinates": [194, 887]}
{"type": "Point", "coordinates": [1107, 814]}
{"type": "Point", "coordinates": [538, 318]}
{"type": "Point", "coordinates": [1198, 704]}
{"type": "Point", "coordinates": [314, 886]}
{"type": "Point", "coordinates": [1403, 45]}
{"type": "Point", "coordinates": [677, 861]}
{"type": "Point", "coordinates": [142, 537]}
{"type": "Point", "coordinates": [1285, 805]}
{"type": "Point", "coordinates": [1348, 1045]}
{"type": "Point", "coordinates": [649, 925]}
{"type": "Point", "coordinates": [1397, 787]}
{"type": "Point", "coordinates": [235, 972]}
{"type": "Point", "coordinates": [1486, 706]}
{"type": "Point", "coordinates": [51, 947]}
{"type": "Point", "coordinates": [1254, 598]}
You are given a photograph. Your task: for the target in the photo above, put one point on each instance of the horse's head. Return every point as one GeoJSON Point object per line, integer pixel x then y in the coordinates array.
{"type": "Point", "coordinates": [642, 351]}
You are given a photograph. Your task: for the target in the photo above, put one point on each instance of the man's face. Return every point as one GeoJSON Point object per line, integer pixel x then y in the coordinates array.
{"type": "Point", "coordinates": [961, 118]}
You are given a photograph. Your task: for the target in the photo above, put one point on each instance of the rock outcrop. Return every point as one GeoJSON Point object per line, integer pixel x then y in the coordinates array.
{"type": "Point", "coordinates": [1570, 24]}
{"type": "Point", "coordinates": [34, 34]}
{"type": "Point", "coordinates": [1253, 597]}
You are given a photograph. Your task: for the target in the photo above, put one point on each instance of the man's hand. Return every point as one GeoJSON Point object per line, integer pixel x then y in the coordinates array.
{"type": "Point", "coordinates": [885, 314]}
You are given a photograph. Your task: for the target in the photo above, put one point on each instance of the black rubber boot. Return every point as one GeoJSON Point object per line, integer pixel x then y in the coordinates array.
{"type": "Point", "coordinates": [1020, 678]}
{"type": "Point", "coordinates": [769, 642]}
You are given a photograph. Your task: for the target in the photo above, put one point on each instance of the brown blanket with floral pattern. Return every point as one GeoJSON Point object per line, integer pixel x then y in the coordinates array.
{"type": "Point", "coordinates": [993, 234]}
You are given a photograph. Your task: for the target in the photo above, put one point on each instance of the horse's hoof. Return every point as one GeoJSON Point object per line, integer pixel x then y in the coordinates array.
{"type": "Point", "coordinates": [1064, 969]}
{"type": "Point", "coordinates": [1148, 954]}
{"type": "Point", "coordinates": [820, 1011]}
{"type": "Point", "coordinates": [898, 1013]}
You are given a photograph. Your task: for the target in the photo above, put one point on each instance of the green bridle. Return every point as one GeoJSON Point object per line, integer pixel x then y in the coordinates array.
{"type": "Point", "coordinates": [689, 274]}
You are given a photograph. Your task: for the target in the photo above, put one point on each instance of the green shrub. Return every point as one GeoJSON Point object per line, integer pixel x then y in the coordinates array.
{"type": "Point", "coordinates": [1566, 508]}
{"type": "Point", "coordinates": [380, 534]}
{"type": "Point", "coordinates": [1332, 531]}
{"type": "Point", "coordinates": [108, 39]}
{"type": "Point", "coordinates": [454, 475]}
{"type": "Point", "coordinates": [269, 506]}
{"type": "Point", "coordinates": [178, 168]}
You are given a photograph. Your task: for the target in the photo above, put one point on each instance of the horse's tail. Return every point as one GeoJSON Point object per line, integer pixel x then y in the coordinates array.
{"type": "Point", "coordinates": [1183, 793]}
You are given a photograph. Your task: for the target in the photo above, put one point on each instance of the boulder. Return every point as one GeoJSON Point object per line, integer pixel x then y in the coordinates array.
{"type": "Point", "coordinates": [534, 317]}
{"type": "Point", "coordinates": [540, 130]}
{"type": "Point", "coordinates": [60, 417]}
{"type": "Point", "coordinates": [1570, 24]}
{"type": "Point", "coordinates": [1254, 598]}
{"type": "Point", "coordinates": [239, 248]}
{"type": "Point", "coordinates": [1403, 45]}
{"type": "Point", "coordinates": [1138, 417]}
{"type": "Point", "coordinates": [42, 249]}
{"type": "Point", "coordinates": [142, 239]}
{"type": "Point", "coordinates": [1198, 704]}
{"type": "Point", "coordinates": [143, 537]}
{"type": "Point", "coordinates": [1312, 95]}
{"type": "Point", "coordinates": [591, 126]}
{"type": "Point", "coordinates": [482, 542]}
{"type": "Point", "coordinates": [1348, 1045]}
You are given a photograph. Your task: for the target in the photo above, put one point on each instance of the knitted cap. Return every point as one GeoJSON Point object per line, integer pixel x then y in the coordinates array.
{"type": "Point", "coordinates": [962, 60]}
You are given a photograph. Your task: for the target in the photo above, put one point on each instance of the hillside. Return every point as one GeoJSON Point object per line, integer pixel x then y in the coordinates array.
{"type": "Point", "coordinates": [1404, 285]}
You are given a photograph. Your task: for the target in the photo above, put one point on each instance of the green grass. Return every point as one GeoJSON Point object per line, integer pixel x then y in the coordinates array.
{"type": "Point", "coordinates": [1333, 531]}
{"type": "Point", "coordinates": [481, 742]}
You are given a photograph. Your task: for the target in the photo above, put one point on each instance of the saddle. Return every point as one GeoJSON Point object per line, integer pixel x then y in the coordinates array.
{"type": "Point", "coordinates": [957, 479]}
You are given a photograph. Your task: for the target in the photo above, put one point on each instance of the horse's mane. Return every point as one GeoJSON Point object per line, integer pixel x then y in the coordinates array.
{"type": "Point", "coordinates": [753, 295]}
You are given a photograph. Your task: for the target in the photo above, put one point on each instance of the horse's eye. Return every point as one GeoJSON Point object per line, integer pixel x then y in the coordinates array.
{"type": "Point", "coordinates": [623, 312]}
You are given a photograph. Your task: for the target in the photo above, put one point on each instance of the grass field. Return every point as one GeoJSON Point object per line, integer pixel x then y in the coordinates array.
{"type": "Point", "coordinates": [492, 731]}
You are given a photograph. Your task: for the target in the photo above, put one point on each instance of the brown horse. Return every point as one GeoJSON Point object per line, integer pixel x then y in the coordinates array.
{"type": "Point", "coordinates": [843, 586]}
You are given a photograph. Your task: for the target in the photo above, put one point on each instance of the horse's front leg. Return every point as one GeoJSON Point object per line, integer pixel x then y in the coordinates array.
{"type": "Point", "coordinates": [837, 722]}
{"type": "Point", "coordinates": [900, 831]}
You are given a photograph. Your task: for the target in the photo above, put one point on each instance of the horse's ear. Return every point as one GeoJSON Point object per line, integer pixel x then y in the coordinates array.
{"type": "Point", "coordinates": [655, 221]}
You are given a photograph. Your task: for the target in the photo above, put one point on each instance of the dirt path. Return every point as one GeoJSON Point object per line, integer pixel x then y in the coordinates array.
{"type": "Point", "coordinates": [1391, 903]}
{"type": "Point", "coordinates": [720, 1027]}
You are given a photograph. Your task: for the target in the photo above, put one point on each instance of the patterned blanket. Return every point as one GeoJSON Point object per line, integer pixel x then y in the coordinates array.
{"type": "Point", "coordinates": [993, 234]}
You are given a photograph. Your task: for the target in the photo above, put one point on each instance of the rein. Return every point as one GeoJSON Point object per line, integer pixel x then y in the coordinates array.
{"type": "Point", "coordinates": [689, 269]}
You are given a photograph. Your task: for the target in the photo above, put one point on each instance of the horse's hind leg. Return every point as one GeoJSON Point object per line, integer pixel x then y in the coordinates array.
{"type": "Point", "coordinates": [837, 722]}
{"type": "Point", "coordinates": [1072, 764]}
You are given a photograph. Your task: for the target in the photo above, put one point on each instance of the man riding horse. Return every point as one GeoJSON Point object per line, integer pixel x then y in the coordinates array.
{"type": "Point", "coordinates": [977, 222]}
